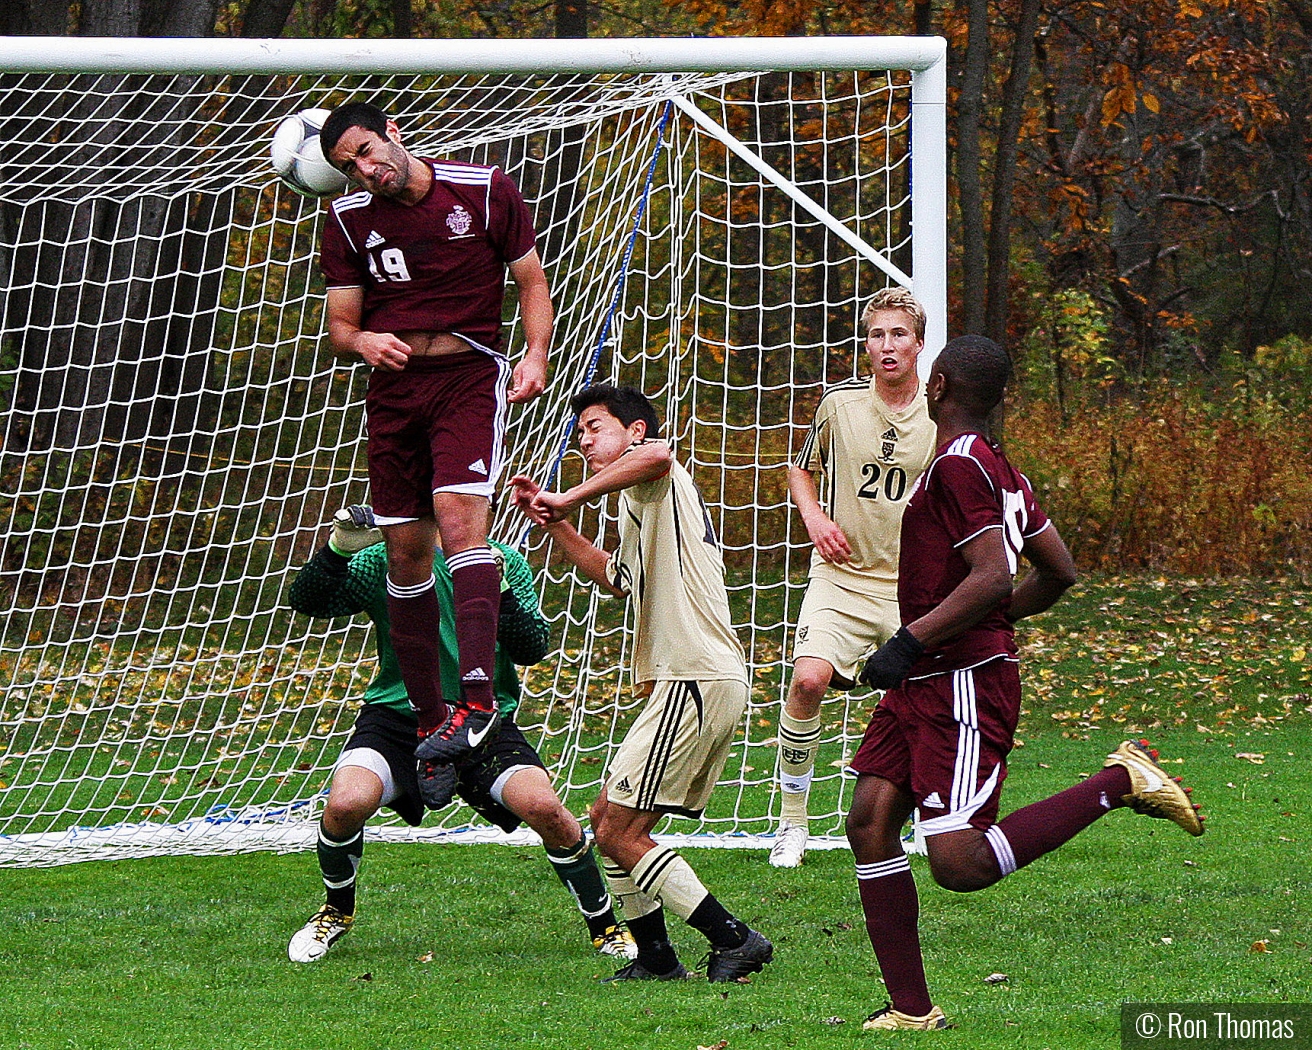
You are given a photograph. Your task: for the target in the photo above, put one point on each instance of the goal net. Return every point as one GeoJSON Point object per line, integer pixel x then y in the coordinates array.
{"type": "Point", "coordinates": [713, 215]}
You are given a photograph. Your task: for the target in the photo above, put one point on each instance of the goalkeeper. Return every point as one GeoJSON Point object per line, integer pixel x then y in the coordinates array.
{"type": "Point", "coordinates": [504, 781]}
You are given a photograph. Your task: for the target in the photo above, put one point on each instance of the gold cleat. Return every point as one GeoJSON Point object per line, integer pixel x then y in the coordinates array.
{"type": "Point", "coordinates": [616, 942]}
{"type": "Point", "coordinates": [891, 1020]}
{"type": "Point", "coordinates": [326, 927]}
{"type": "Point", "coordinates": [1154, 792]}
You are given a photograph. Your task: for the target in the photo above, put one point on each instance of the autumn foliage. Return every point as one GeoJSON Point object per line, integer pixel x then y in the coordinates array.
{"type": "Point", "coordinates": [1174, 479]}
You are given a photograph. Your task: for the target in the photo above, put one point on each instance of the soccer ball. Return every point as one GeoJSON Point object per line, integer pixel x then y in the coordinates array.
{"type": "Point", "coordinates": [298, 158]}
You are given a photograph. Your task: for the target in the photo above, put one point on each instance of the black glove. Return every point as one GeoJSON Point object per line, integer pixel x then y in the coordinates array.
{"type": "Point", "coordinates": [892, 661]}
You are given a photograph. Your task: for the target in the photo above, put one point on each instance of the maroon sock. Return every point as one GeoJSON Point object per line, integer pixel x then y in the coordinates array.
{"type": "Point", "coordinates": [1029, 833]}
{"type": "Point", "coordinates": [415, 617]}
{"type": "Point", "coordinates": [892, 910]}
{"type": "Point", "coordinates": [476, 589]}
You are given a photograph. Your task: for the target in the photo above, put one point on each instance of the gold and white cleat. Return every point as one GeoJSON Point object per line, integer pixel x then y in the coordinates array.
{"type": "Point", "coordinates": [617, 942]}
{"type": "Point", "coordinates": [1154, 792]}
{"type": "Point", "coordinates": [890, 1020]}
{"type": "Point", "coordinates": [326, 927]}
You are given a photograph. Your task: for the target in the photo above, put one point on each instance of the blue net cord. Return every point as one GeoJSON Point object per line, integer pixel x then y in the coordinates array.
{"type": "Point", "coordinates": [616, 298]}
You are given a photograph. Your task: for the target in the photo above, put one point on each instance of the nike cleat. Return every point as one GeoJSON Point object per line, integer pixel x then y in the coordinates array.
{"type": "Point", "coordinates": [437, 784]}
{"type": "Point", "coordinates": [635, 971]}
{"type": "Point", "coordinates": [465, 730]}
{"type": "Point", "coordinates": [789, 845]}
{"type": "Point", "coordinates": [616, 942]}
{"type": "Point", "coordinates": [1154, 792]}
{"type": "Point", "coordinates": [890, 1020]}
{"type": "Point", "coordinates": [729, 964]}
{"type": "Point", "coordinates": [326, 927]}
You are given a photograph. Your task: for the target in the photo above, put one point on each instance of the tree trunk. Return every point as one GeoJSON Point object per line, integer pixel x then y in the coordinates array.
{"type": "Point", "coordinates": [34, 18]}
{"type": "Point", "coordinates": [402, 20]}
{"type": "Point", "coordinates": [110, 18]}
{"type": "Point", "coordinates": [266, 19]}
{"type": "Point", "coordinates": [1014, 94]}
{"type": "Point", "coordinates": [571, 19]}
{"type": "Point", "coordinates": [969, 195]}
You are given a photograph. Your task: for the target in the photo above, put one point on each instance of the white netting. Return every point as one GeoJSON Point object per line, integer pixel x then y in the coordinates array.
{"type": "Point", "coordinates": [176, 432]}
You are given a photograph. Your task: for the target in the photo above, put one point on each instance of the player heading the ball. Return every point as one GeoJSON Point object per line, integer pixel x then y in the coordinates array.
{"type": "Point", "coordinates": [415, 264]}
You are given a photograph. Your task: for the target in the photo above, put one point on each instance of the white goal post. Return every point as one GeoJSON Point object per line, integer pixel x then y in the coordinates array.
{"type": "Point", "coordinates": [713, 216]}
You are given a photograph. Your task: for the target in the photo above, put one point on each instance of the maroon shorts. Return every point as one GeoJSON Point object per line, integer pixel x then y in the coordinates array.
{"type": "Point", "coordinates": [945, 740]}
{"type": "Point", "coordinates": [438, 426]}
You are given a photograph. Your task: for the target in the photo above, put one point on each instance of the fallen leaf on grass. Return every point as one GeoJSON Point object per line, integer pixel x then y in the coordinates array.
{"type": "Point", "coordinates": [996, 978]}
{"type": "Point", "coordinates": [835, 1020]}
{"type": "Point", "coordinates": [426, 957]}
{"type": "Point", "coordinates": [1260, 947]}
{"type": "Point", "coordinates": [1256, 757]}
{"type": "Point", "coordinates": [714, 1046]}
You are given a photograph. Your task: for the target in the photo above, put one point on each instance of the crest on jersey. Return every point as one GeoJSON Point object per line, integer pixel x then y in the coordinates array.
{"type": "Point", "coordinates": [459, 221]}
{"type": "Point", "coordinates": [887, 442]}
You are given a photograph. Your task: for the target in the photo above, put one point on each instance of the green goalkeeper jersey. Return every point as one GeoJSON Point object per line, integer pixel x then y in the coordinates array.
{"type": "Point", "coordinates": [331, 585]}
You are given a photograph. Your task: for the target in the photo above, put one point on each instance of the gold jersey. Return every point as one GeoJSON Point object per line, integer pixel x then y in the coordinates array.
{"type": "Point", "coordinates": [669, 560]}
{"type": "Point", "coordinates": [866, 459]}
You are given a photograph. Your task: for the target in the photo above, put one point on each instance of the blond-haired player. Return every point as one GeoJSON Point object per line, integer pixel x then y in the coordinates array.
{"type": "Point", "coordinates": [869, 442]}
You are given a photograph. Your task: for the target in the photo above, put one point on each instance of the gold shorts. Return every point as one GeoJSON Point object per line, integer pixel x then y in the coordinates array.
{"type": "Point", "coordinates": [675, 750]}
{"type": "Point", "coordinates": [842, 627]}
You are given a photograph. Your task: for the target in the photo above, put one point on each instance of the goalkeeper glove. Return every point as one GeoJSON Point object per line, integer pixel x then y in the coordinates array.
{"type": "Point", "coordinates": [499, 556]}
{"type": "Point", "coordinates": [892, 661]}
{"type": "Point", "coordinates": [354, 530]}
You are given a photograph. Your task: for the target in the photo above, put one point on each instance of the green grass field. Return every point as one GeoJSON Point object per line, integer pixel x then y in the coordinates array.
{"type": "Point", "coordinates": [478, 946]}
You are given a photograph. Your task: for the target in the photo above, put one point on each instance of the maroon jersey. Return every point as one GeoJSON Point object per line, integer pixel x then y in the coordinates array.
{"type": "Point", "coordinates": [435, 266]}
{"type": "Point", "coordinates": [968, 488]}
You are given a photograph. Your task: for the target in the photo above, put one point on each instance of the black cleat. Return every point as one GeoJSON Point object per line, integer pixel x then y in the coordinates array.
{"type": "Point", "coordinates": [635, 971]}
{"type": "Point", "coordinates": [465, 730]}
{"type": "Point", "coordinates": [437, 784]}
{"type": "Point", "coordinates": [729, 964]}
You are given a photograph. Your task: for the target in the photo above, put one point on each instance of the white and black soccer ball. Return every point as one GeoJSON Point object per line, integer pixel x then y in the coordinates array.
{"type": "Point", "coordinates": [298, 158]}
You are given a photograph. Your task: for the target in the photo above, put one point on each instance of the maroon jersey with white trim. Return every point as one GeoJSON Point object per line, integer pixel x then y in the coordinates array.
{"type": "Point", "coordinates": [435, 266]}
{"type": "Point", "coordinates": [968, 488]}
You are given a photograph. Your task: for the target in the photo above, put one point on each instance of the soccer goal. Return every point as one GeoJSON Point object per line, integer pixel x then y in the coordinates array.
{"type": "Point", "coordinates": [713, 215]}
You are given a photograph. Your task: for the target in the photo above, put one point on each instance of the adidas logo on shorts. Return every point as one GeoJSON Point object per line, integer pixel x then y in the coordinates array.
{"type": "Point", "coordinates": [623, 785]}
{"type": "Point", "coordinates": [932, 799]}
{"type": "Point", "coordinates": [476, 675]}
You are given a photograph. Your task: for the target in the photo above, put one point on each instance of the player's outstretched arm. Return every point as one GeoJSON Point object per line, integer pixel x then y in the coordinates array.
{"type": "Point", "coordinates": [1053, 572]}
{"type": "Point", "coordinates": [591, 560]}
{"type": "Point", "coordinates": [829, 539]}
{"type": "Point", "coordinates": [645, 461]}
{"type": "Point", "coordinates": [334, 584]}
{"type": "Point", "coordinates": [537, 315]}
{"type": "Point", "coordinates": [378, 349]}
